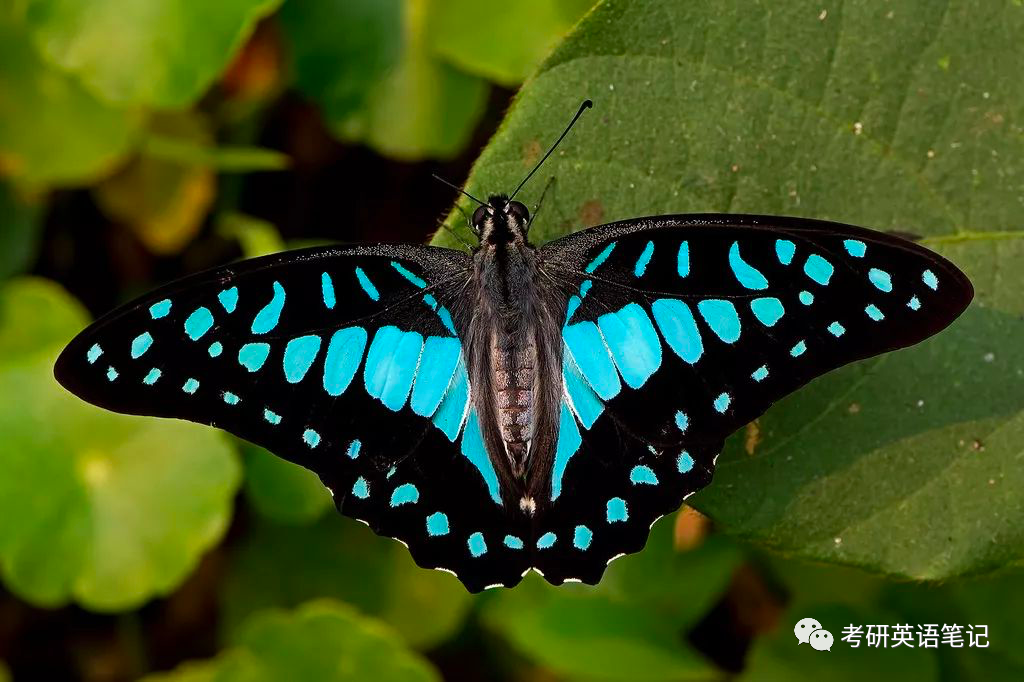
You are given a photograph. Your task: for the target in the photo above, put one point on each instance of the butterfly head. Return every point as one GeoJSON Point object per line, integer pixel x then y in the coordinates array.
{"type": "Point", "coordinates": [501, 221]}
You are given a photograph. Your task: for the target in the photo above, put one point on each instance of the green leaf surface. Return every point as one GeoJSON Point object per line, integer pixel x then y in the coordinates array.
{"type": "Point", "coordinates": [282, 491]}
{"type": "Point", "coordinates": [367, 64]}
{"type": "Point", "coordinates": [283, 566]}
{"type": "Point", "coordinates": [501, 41]}
{"type": "Point", "coordinates": [322, 640]}
{"type": "Point", "coordinates": [19, 234]}
{"type": "Point", "coordinates": [160, 53]}
{"type": "Point", "coordinates": [234, 159]}
{"type": "Point", "coordinates": [51, 129]}
{"type": "Point", "coordinates": [629, 627]}
{"type": "Point", "coordinates": [780, 658]}
{"type": "Point", "coordinates": [898, 118]}
{"type": "Point", "coordinates": [130, 504]}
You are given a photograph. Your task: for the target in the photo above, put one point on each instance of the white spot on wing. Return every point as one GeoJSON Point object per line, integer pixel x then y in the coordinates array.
{"type": "Point", "coordinates": [617, 556]}
{"type": "Point", "coordinates": [573, 580]}
{"type": "Point", "coordinates": [491, 587]}
{"type": "Point", "coordinates": [446, 570]}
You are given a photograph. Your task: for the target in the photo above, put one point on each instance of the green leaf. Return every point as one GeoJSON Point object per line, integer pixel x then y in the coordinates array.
{"type": "Point", "coordinates": [283, 491]}
{"type": "Point", "coordinates": [781, 658]}
{"type": "Point", "coordinates": [51, 129]}
{"type": "Point", "coordinates": [19, 237]}
{"type": "Point", "coordinates": [166, 52]}
{"type": "Point", "coordinates": [367, 64]}
{"type": "Point", "coordinates": [517, 34]}
{"type": "Point", "coordinates": [256, 237]}
{"type": "Point", "coordinates": [579, 633]}
{"type": "Point", "coordinates": [896, 118]}
{"type": "Point", "coordinates": [102, 509]}
{"type": "Point", "coordinates": [322, 640]}
{"type": "Point", "coordinates": [163, 202]}
{"type": "Point", "coordinates": [238, 159]}
{"type": "Point", "coordinates": [283, 566]}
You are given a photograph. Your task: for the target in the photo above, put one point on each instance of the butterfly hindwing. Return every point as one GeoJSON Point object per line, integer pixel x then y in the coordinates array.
{"type": "Point", "coordinates": [680, 330]}
{"type": "Point", "coordinates": [345, 361]}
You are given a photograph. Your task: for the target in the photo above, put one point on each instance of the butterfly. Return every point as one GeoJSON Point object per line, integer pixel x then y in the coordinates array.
{"type": "Point", "coordinates": [517, 407]}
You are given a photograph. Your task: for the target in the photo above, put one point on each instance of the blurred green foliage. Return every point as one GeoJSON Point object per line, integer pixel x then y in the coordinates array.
{"type": "Point", "coordinates": [902, 116]}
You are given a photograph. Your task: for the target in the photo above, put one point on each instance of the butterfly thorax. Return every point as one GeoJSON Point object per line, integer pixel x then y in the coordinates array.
{"type": "Point", "coordinates": [512, 351]}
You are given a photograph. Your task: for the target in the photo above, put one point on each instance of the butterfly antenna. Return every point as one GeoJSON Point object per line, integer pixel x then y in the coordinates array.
{"type": "Point", "coordinates": [457, 189]}
{"type": "Point", "coordinates": [583, 107]}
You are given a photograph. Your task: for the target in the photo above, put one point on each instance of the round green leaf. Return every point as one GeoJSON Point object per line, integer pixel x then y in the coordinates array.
{"type": "Point", "coordinates": [517, 34]}
{"type": "Point", "coordinates": [51, 129]}
{"type": "Point", "coordinates": [98, 508]}
{"type": "Point", "coordinates": [283, 491]}
{"type": "Point", "coordinates": [322, 640]}
{"type": "Point", "coordinates": [578, 633]}
{"type": "Point", "coordinates": [166, 52]}
{"type": "Point", "coordinates": [283, 566]}
{"type": "Point", "coordinates": [367, 65]}
{"type": "Point", "coordinates": [20, 236]}
{"type": "Point", "coordinates": [894, 118]}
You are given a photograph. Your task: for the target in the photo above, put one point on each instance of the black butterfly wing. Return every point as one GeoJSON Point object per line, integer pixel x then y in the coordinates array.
{"type": "Point", "coordinates": [346, 361]}
{"type": "Point", "coordinates": [681, 329]}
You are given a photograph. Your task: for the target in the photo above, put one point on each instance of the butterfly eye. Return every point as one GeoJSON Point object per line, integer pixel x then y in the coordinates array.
{"type": "Point", "coordinates": [519, 211]}
{"type": "Point", "coordinates": [479, 215]}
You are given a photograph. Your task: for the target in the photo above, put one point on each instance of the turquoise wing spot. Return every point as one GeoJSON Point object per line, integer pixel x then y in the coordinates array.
{"type": "Point", "coordinates": [784, 251]}
{"type": "Point", "coordinates": [569, 441]}
{"type": "Point", "coordinates": [642, 474]}
{"type": "Point", "coordinates": [378, 359]}
{"type": "Point", "coordinates": [513, 542]}
{"type": "Point", "coordinates": [94, 353]}
{"type": "Point", "coordinates": [683, 259]}
{"type": "Point", "coordinates": [268, 317]}
{"type": "Point", "coordinates": [190, 386]}
{"type": "Point", "coordinates": [160, 309]}
{"type": "Point", "coordinates": [684, 463]}
{"type": "Point", "coordinates": [152, 377]}
{"type": "Point", "coordinates": [760, 374]}
{"type": "Point", "coordinates": [547, 540]}
{"type": "Point", "coordinates": [616, 510]}
{"type": "Point", "coordinates": [633, 342]}
{"type": "Point", "coordinates": [818, 269]}
{"type": "Point", "coordinates": [198, 323]}
{"type": "Point", "coordinates": [391, 365]}
{"type": "Point", "coordinates": [855, 247]}
{"type": "Point", "coordinates": [722, 402]}
{"type": "Point", "coordinates": [438, 362]}
{"type": "Point", "coordinates": [930, 280]}
{"type": "Point", "coordinates": [601, 258]}
{"type": "Point", "coordinates": [361, 488]}
{"type": "Point", "coordinates": [581, 538]}
{"type": "Point", "coordinates": [228, 299]}
{"type": "Point", "coordinates": [799, 349]}
{"type": "Point", "coordinates": [477, 545]}
{"type": "Point", "coordinates": [344, 353]}
{"type": "Point", "coordinates": [473, 450]}
{"type": "Point", "coordinates": [680, 330]}
{"type": "Point", "coordinates": [584, 401]}
{"type": "Point", "coordinates": [327, 289]}
{"type": "Point", "coordinates": [452, 412]}
{"type": "Point", "coordinates": [588, 349]}
{"type": "Point", "coordinates": [747, 275]}
{"type": "Point", "coordinates": [881, 279]}
{"type": "Point", "coordinates": [299, 356]}
{"type": "Point", "coordinates": [644, 260]}
{"type": "Point", "coordinates": [806, 297]}
{"type": "Point", "coordinates": [768, 311]}
{"type": "Point", "coordinates": [253, 355]}
{"type": "Point", "coordinates": [836, 329]}
{"type": "Point", "coordinates": [721, 316]}
{"type": "Point", "coordinates": [437, 524]}
{"type": "Point", "coordinates": [367, 285]}
{"type": "Point", "coordinates": [874, 313]}
{"type": "Point", "coordinates": [140, 344]}
{"type": "Point", "coordinates": [406, 493]}
{"type": "Point", "coordinates": [417, 281]}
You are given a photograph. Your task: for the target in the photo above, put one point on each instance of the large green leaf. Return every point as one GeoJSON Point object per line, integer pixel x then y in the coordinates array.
{"type": "Point", "coordinates": [369, 67]}
{"type": "Point", "coordinates": [323, 640]}
{"type": "Point", "coordinates": [98, 508]}
{"type": "Point", "coordinates": [51, 129]}
{"type": "Point", "coordinates": [163, 53]}
{"type": "Point", "coordinates": [896, 117]}
{"type": "Point", "coordinates": [629, 627]}
{"type": "Point", "coordinates": [283, 566]}
{"type": "Point", "coordinates": [503, 41]}
{"type": "Point", "coordinates": [19, 236]}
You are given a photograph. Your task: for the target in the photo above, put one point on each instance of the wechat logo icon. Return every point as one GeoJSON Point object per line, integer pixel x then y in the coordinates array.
{"type": "Point", "coordinates": [809, 631]}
